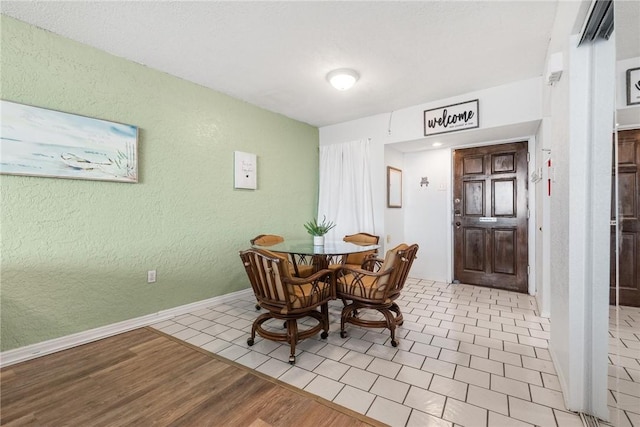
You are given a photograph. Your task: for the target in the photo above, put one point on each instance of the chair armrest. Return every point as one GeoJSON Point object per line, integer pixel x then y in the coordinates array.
{"type": "Point", "coordinates": [372, 263]}
{"type": "Point", "coordinates": [357, 273]}
{"type": "Point", "coordinates": [309, 279]}
{"type": "Point", "coordinates": [324, 276]}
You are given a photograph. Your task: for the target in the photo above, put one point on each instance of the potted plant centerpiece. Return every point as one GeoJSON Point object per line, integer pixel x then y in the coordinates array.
{"type": "Point", "coordinates": [318, 230]}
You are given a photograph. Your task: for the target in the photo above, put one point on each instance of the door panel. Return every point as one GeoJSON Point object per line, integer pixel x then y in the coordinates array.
{"type": "Point", "coordinates": [491, 250]}
{"type": "Point", "coordinates": [473, 165]}
{"type": "Point", "coordinates": [503, 163]}
{"type": "Point", "coordinates": [504, 197]}
{"type": "Point", "coordinates": [629, 220]}
{"type": "Point", "coordinates": [474, 198]}
{"type": "Point", "coordinates": [504, 244]}
{"type": "Point", "coordinates": [474, 253]}
{"type": "Point", "coordinates": [628, 192]}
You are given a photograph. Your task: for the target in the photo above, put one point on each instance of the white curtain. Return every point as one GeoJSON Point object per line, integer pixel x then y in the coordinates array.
{"type": "Point", "coordinates": [345, 188]}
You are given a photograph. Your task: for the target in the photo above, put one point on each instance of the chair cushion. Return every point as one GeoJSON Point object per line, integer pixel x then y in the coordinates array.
{"type": "Point", "coordinates": [365, 239]}
{"type": "Point", "coordinates": [268, 240]}
{"type": "Point", "coordinates": [358, 258]}
{"type": "Point", "coordinates": [365, 288]}
{"type": "Point", "coordinates": [303, 270]}
{"type": "Point", "coordinates": [304, 296]}
{"type": "Point", "coordinates": [337, 266]}
{"type": "Point", "coordinates": [284, 261]}
{"type": "Point", "coordinates": [361, 239]}
{"type": "Point", "coordinates": [390, 257]}
{"type": "Point", "coordinates": [275, 290]}
{"type": "Point", "coordinates": [369, 287]}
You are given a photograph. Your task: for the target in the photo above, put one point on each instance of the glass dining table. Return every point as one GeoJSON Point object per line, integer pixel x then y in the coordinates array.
{"type": "Point", "coordinates": [321, 256]}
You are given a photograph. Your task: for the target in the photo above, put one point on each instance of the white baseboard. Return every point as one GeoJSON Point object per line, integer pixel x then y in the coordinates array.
{"type": "Point", "coordinates": [32, 351]}
{"type": "Point", "coordinates": [544, 314]}
{"type": "Point", "coordinates": [561, 379]}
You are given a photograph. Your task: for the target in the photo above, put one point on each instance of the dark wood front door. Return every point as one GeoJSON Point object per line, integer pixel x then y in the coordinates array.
{"type": "Point", "coordinates": [490, 206]}
{"type": "Point", "coordinates": [629, 221]}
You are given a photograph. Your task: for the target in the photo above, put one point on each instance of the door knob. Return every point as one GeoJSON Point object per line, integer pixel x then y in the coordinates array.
{"type": "Point", "coordinates": [458, 224]}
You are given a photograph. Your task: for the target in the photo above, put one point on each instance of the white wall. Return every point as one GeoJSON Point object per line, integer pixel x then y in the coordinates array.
{"type": "Point", "coordinates": [579, 114]}
{"type": "Point", "coordinates": [542, 225]}
{"type": "Point", "coordinates": [394, 217]}
{"type": "Point", "coordinates": [428, 213]}
{"type": "Point", "coordinates": [503, 110]}
{"type": "Point", "coordinates": [500, 106]}
{"type": "Point", "coordinates": [601, 126]}
{"type": "Point", "coordinates": [628, 116]}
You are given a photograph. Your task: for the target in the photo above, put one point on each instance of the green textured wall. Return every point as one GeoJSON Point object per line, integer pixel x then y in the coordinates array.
{"type": "Point", "coordinates": [74, 254]}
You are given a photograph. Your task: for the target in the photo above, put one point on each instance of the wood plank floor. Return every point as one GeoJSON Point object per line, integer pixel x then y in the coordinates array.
{"type": "Point", "coordinates": [144, 377]}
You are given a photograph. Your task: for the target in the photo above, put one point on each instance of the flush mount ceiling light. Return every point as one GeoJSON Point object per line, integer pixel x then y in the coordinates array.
{"type": "Point", "coordinates": [343, 78]}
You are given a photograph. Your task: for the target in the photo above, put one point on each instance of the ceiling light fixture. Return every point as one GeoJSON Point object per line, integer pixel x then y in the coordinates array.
{"type": "Point", "coordinates": [437, 144]}
{"type": "Point", "coordinates": [343, 79]}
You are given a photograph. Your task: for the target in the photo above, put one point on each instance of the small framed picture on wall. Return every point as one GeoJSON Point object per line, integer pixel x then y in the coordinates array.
{"type": "Point", "coordinates": [633, 86]}
{"type": "Point", "coordinates": [394, 187]}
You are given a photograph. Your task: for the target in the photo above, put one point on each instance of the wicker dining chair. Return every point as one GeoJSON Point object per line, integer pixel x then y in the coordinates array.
{"type": "Point", "coordinates": [375, 290]}
{"type": "Point", "coordinates": [356, 260]}
{"type": "Point", "coordinates": [287, 298]}
{"type": "Point", "coordinates": [303, 266]}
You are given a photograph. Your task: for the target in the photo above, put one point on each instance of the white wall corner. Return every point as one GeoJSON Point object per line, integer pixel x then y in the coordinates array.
{"type": "Point", "coordinates": [554, 68]}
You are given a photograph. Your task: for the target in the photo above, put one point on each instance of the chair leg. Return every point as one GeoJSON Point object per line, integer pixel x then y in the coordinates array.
{"type": "Point", "coordinates": [345, 303]}
{"type": "Point", "coordinates": [393, 321]}
{"type": "Point", "coordinates": [292, 336]}
{"type": "Point", "coordinates": [391, 324]}
{"type": "Point", "coordinates": [346, 312]}
{"type": "Point", "coordinates": [259, 321]}
{"type": "Point", "coordinates": [399, 319]}
{"type": "Point", "coordinates": [324, 308]}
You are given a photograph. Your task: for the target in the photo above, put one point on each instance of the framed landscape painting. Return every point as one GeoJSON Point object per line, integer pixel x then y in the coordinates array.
{"type": "Point", "coordinates": [37, 141]}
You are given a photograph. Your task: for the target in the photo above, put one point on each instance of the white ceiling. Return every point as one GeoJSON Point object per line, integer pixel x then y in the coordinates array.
{"type": "Point", "coordinates": [276, 54]}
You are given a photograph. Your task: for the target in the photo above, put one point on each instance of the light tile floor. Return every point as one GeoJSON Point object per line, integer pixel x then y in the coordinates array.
{"type": "Point", "coordinates": [624, 366]}
{"type": "Point", "coordinates": [467, 356]}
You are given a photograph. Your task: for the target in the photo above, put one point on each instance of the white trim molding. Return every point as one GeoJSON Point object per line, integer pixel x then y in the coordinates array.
{"type": "Point", "coordinates": [22, 354]}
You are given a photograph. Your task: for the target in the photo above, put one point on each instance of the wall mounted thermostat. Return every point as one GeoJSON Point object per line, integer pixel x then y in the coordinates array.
{"type": "Point", "coordinates": [245, 170]}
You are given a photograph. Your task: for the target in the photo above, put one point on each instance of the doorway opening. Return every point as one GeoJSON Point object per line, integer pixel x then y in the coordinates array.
{"type": "Point", "coordinates": [490, 216]}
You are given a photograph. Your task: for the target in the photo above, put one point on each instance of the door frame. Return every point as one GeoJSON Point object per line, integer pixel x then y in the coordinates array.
{"type": "Point", "coordinates": [532, 146]}
{"type": "Point", "coordinates": [615, 201]}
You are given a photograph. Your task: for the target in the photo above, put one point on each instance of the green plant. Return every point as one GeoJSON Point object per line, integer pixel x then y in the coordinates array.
{"type": "Point", "coordinates": [319, 229]}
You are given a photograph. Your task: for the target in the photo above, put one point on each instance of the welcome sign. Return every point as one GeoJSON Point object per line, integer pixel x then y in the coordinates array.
{"type": "Point", "coordinates": [451, 118]}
